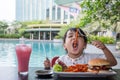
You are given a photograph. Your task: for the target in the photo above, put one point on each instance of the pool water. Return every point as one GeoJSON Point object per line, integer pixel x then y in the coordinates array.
{"type": "Point", "coordinates": [40, 50]}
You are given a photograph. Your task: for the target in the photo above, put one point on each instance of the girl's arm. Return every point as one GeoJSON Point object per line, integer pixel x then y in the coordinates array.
{"type": "Point", "coordinates": [110, 56]}
{"type": "Point", "coordinates": [106, 51]}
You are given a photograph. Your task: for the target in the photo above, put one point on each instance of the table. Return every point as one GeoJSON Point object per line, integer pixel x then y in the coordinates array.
{"type": "Point", "coordinates": [11, 73]}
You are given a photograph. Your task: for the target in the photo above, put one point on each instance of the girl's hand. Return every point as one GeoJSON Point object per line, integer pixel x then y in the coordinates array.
{"type": "Point", "coordinates": [47, 64]}
{"type": "Point", "coordinates": [99, 44]}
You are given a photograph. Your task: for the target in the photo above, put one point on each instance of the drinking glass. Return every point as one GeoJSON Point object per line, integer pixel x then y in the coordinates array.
{"type": "Point", "coordinates": [23, 52]}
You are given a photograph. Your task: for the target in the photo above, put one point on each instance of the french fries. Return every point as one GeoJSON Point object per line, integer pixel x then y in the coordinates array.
{"type": "Point", "coordinates": [76, 35]}
{"type": "Point", "coordinates": [77, 68]}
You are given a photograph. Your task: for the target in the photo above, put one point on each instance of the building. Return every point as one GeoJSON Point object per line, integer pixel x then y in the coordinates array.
{"type": "Point", "coordinates": [72, 7]}
{"type": "Point", "coordinates": [44, 31]}
{"type": "Point", "coordinates": [30, 10]}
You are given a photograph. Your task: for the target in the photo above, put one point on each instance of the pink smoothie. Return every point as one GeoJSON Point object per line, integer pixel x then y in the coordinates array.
{"type": "Point", "coordinates": [23, 52]}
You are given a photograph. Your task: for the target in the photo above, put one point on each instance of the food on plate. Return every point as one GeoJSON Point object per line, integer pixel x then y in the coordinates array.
{"type": "Point", "coordinates": [77, 68]}
{"type": "Point", "coordinates": [72, 68]}
{"type": "Point", "coordinates": [94, 65]}
{"type": "Point", "coordinates": [57, 68]}
{"type": "Point", "coordinates": [62, 64]}
{"type": "Point", "coordinates": [98, 65]}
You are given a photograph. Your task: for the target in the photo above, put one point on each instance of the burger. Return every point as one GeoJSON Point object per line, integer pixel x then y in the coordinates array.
{"type": "Point", "coordinates": [98, 65]}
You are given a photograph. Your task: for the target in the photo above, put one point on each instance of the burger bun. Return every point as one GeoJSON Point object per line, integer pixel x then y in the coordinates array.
{"type": "Point", "coordinates": [98, 62]}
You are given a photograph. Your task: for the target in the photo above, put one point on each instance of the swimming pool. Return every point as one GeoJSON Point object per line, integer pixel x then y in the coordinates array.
{"type": "Point", "coordinates": [39, 51]}
{"type": "Point", "coordinates": [39, 48]}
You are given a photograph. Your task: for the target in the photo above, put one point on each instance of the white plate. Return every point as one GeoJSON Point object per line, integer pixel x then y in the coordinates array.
{"type": "Point", "coordinates": [85, 74]}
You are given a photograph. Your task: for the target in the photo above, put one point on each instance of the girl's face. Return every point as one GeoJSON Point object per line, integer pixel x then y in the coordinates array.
{"type": "Point", "coordinates": [70, 38]}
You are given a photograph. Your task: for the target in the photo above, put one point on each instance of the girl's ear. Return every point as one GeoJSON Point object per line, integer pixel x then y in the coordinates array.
{"type": "Point", "coordinates": [85, 45]}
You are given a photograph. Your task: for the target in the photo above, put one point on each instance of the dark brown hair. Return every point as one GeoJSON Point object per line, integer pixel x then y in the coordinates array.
{"type": "Point", "coordinates": [81, 32]}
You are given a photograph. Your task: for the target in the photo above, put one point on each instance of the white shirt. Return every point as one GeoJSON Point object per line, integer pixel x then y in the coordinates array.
{"type": "Point", "coordinates": [83, 59]}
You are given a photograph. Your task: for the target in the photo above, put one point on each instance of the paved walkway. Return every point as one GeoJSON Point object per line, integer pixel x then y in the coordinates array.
{"type": "Point", "coordinates": [92, 49]}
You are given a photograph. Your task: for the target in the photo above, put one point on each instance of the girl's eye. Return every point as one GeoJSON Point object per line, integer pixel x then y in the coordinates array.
{"type": "Point", "coordinates": [79, 36]}
{"type": "Point", "coordinates": [69, 36]}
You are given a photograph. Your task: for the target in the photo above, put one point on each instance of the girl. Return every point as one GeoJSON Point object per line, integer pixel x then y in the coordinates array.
{"type": "Point", "coordinates": [74, 42]}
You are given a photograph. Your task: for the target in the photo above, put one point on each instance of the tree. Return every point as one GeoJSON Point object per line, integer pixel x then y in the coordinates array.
{"type": "Point", "coordinates": [102, 11]}
{"type": "Point", "coordinates": [3, 26]}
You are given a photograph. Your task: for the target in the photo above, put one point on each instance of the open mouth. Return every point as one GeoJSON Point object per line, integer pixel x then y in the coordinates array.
{"type": "Point", "coordinates": [75, 45]}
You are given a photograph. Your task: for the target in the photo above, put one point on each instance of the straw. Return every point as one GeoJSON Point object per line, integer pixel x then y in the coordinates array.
{"type": "Point", "coordinates": [45, 52]}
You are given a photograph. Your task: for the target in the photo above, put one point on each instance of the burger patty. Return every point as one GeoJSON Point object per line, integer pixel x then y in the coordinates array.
{"type": "Point", "coordinates": [104, 67]}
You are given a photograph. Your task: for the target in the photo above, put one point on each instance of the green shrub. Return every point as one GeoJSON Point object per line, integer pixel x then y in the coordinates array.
{"type": "Point", "coordinates": [57, 37]}
{"type": "Point", "coordinates": [16, 36]}
{"type": "Point", "coordinates": [27, 35]}
{"type": "Point", "coordinates": [10, 36]}
{"type": "Point", "coordinates": [1, 31]}
{"type": "Point", "coordinates": [104, 39]}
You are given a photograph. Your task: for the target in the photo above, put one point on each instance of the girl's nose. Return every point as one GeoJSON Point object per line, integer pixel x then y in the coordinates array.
{"type": "Point", "coordinates": [74, 36]}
